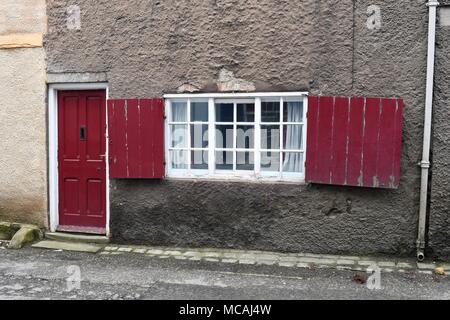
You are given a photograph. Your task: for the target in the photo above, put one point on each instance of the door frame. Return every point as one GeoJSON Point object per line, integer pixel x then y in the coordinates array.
{"type": "Point", "coordinates": [53, 189]}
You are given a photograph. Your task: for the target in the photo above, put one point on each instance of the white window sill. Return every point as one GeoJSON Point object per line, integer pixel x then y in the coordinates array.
{"type": "Point", "coordinates": [298, 180]}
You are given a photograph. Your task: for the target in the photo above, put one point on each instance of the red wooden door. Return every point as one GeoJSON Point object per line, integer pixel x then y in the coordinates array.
{"type": "Point", "coordinates": [81, 161]}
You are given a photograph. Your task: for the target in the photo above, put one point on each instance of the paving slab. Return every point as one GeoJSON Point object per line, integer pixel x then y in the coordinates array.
{"type": "Point", "coordinates": [70, 246]}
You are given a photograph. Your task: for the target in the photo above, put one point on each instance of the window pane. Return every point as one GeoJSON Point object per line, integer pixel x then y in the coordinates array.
{"type": "Point", "coordinates": [270, 111]}
{"type": "Point", "coordinates": [270, 137]}
{"type": "Point", "coordinates": [245, 112]}
{"type": "Point", "coordinates": [179, 112]}
{"type": "Point", "coordinates": [224, 136]}
{"type": "Point", "coordinates": [293, 137]}
{"type": "Point", "coordinates": [293, 111]}
{"type": "Point", "coordinates": [293, 162]}
{"type": "Point", "coordinates": [270, 161]}
{"type": "Point", "coordinates": [224, 112]}
{"type": "Point", "coordinates": [179, 136]}
{"type": "Point", "coordinates": [199, 160]}
{"type": "Point", "coordinates": [224, 160]}
{"type": "Point", "coordinates": [245, 161]}
{"type": "Point", "coordinates": [199, 111]}
{"type": "Point", "coordinates": [179, 159]}
{"type": "Point", "coordinates": [245, 137]}
{"type": "Point", "coordinates": [199, 135]}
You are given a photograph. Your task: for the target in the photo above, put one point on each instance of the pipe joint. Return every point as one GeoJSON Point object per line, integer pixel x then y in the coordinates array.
{"type": "Point", "coordinates": [420, 244]}
{"type": "Point", "coordinates": [420, 250]}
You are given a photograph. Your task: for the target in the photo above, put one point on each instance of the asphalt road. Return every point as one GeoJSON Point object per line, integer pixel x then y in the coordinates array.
{"type": "Point", "coordinates": [41, 274]}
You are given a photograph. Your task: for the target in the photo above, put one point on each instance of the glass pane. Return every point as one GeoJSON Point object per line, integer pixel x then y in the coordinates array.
{"type": "Point", "coordinates": [199, 135]}
{"type": "Point", "coordinates": [293, 111]}
{"type": "Point", "coordinates": [270, 111]}
{"type": "Point", "coordinates": [179, 112]}
{"type": "Point", "coordinates": [199, 111]}
{"type": "Point", "coordinates": [179, 136]}
{"type": "Point", "coordinates": [224, 160]}
{"type": "Point", "coordinates": [199, 160]}
{"type": "Point", "coordinates": [224, 136]}
{"type": "Point", "coordinates": [293, 137]}
{"type": "Point", "coordinates": [179, 159]}
{"type": "Point", "coordinates": [270, 161]}
{"type": "Point", "coordinates": [293, 162]}
{"type": "Point", "coordinates": [245, 137]}
{"type": "Point", "coordinates": [270, 137]}
{"type": "Point", "coordinates": [245, 161]}
{"type": "Point", "coordinates": [224, 112]}
{"type": "Point", "coordinates": [245, 112]}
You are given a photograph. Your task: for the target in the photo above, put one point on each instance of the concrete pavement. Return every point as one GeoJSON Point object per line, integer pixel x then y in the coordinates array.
{"type": "Point", "coordinates": [33, 273]}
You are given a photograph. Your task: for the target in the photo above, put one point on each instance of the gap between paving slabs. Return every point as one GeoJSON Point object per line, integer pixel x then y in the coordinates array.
{"type": "Point", "coordinates": [305, 260]}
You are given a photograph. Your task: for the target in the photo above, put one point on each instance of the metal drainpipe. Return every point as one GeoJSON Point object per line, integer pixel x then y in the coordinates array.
{"type": "Point", "coordinates": [425, 163]}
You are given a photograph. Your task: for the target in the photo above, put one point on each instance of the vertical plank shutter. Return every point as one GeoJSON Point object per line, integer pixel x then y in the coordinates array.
{"type": "Point", "coordinates": [136, 138]}
{"type": "Point", "coordinates": [354, 141]}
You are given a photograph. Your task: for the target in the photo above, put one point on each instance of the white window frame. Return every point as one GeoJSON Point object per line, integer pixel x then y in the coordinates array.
{"type": "Point", "coordinates": [239, 175]}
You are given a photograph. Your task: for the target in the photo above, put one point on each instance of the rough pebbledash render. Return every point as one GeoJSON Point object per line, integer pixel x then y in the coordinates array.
{"type": "Point", "coordinates": [439, 218]}
{"type": "Point", "coordinates": [147, 48]}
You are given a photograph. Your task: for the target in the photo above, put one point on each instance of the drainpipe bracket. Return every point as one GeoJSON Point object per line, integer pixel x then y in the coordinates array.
{"type": "Point", "coordinates": [432, 4]}
{"type": "Point", "coordinates": [424, 164]}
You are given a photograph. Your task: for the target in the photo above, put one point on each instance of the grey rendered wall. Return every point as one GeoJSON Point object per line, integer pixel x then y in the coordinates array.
{"type": "Point", "coordinates": [439, 220]}
{"type": "Point", "coordinates": [149, 47]}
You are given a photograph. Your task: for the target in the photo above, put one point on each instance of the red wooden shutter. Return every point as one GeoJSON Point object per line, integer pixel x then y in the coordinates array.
{"type": "Point", "coordinates": [354, 141]}
{"type": "Point", "coordinates": [136, 138]}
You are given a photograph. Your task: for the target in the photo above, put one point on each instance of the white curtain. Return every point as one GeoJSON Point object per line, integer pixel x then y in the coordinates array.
{"type": "Point", "coordinates": [293, 162]}
{"type": "Point", "coordinates": [179, 114]}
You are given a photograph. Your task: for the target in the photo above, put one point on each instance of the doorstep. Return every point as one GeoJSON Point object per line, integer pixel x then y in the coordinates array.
{"type": "Point", "coordinates": [292, 260]}
{"type": "Point", "coordinates": [76, 237]}
{"type": "Point", "coordinates": [72, 242]}
{"type": "Point", "coordinates": [68, 246]}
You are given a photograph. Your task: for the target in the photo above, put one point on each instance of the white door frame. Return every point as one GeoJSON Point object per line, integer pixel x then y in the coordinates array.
{"type": "Point", "coordinates": [53, 147]}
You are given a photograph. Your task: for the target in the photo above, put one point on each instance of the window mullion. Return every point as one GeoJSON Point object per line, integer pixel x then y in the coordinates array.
{"type": "Point", "coordinates": [281, 135]}
{"type": "Point", "coordinates": [189, 134]}
{"type": "Point", "coordinates": [305, 130]}
{"type": "Point", "coordinates": [234, 136]}
{"type": "Point", "coordinates": [257, 137]}
{"type": "Point", "coordinates": [211, 137]}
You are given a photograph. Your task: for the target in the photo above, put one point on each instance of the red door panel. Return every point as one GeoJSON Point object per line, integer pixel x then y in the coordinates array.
{"type": "Point", "coordinates": [71, 190]}
{"type": "Point", "coordinates": [81, 160]}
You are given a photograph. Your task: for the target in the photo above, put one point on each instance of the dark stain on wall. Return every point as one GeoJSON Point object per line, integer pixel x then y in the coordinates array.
{"type": "Point", "coordinates": [25, 208]}
{"type": "Point", "coordinates": [265, 216]}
